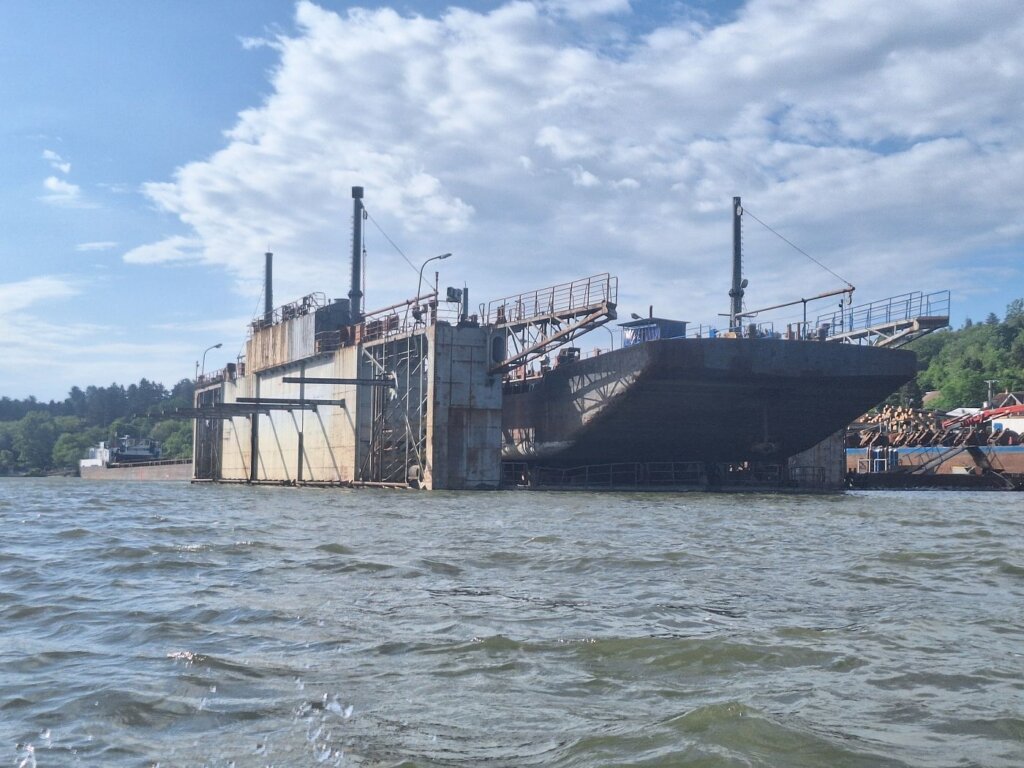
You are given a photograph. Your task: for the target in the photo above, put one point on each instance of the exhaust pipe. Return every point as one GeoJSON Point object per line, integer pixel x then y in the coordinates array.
{"type": "Point", "coordinates": [355, 295]}
{"type": "Point", "coordinates": [268, 289]}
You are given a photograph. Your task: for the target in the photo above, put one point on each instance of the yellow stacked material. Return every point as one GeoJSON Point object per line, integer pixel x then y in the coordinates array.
{"type": "Point", "coordinates": [898, 425]}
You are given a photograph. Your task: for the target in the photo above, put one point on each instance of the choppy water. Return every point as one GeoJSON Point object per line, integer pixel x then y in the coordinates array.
{"type": "Point", "coordinates": [216, 626]}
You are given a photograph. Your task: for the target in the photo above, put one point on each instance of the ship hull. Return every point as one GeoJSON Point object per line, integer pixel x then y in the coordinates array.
{"type": "Point", "coordinates": [708, 400]}
{"type": "Point", "coordinates": [148, 472]}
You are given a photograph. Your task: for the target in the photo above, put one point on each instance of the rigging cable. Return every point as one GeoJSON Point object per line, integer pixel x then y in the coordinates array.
{"type": "Point", "coordinates": [411, 265]}
{"type": "Point", "coordinates": [801, 250]}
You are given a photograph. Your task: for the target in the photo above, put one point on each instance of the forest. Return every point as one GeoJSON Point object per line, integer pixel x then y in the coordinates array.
{"type": "Point", "coordinates": [959, 366]}
{"type": "Point", "coordinates": [43, 438]}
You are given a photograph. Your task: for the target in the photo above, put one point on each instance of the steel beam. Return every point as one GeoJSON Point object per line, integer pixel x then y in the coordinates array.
{"type": "Point", "coordinates": [333, 380]}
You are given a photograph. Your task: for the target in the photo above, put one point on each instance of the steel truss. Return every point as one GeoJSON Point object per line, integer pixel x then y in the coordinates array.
{"type": "Point", "coordinates": [537, 322]}
{"type": "Point", "coordinates": [398, 414]}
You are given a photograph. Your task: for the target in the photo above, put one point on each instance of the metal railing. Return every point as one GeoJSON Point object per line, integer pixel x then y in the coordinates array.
{"type": "Point", "coordinates": [308, 303]}
{"type": "Point", "coordinates": [556, 300]}
{"type": "Point", "coordinates": [896, 309]}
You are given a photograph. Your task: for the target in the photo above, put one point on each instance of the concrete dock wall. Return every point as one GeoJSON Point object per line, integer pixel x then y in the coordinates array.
{"type": "Point", "coordinates": [327, 434]}
{"type": "Point", "coordinates": [464, 417]}
{"type": "Point", "coordinates": [822, 466]}
{"type": "Point", "coordinates": [442, 411]}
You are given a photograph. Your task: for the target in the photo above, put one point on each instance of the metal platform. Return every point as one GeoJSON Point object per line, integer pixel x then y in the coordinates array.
{"type": "Point", "coordinates": [890, 322]}
{"type": "Point", "coordinates": [537, 322]}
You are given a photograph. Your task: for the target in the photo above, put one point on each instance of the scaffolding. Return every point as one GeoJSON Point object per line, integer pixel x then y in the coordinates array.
{"type": "Point", "coordinates": [397, 413]}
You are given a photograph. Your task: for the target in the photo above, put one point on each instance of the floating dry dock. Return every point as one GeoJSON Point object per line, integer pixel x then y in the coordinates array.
{"type": "Point", "coordinates": [421, 395]}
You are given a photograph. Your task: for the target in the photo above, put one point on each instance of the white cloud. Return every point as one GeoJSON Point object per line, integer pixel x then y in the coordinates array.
{"type": "Point", "coordinates": [583, 178]}
{"type": "Point", "coordinates": [874, 134]}
{"type": "Point", "coordinates": [16, 297]}
{"type": "Point", "coordinates": [171, 249]}
{"type": "Point", "coordinates": [44, 356]}
{"type": "Point", "coordinates": [61, 192]}
{"type": "Point", "coordinates": [101, 245]}
{"type": "Point", "coordinates": [56, 161]}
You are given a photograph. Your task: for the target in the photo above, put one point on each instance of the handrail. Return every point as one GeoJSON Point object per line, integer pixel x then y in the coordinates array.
{"type": "Point", "coordinates": [902, 308]}
{"type": "Point", "coordinates": [308, 303]}
{"type": "Point", "coordinates": [576, 296]}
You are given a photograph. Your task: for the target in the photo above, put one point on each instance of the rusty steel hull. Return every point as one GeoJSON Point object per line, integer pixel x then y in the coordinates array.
{"type": "Point", "coordinates": [709, 400]}
{"type": "Point", "coordinates": [147, 472]}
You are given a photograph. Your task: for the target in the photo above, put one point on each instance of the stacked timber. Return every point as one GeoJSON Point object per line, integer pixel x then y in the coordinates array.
{"type": "Point", "coordinates": [897, 425]}
{"type": "Point", "coordinates": [900, 426]}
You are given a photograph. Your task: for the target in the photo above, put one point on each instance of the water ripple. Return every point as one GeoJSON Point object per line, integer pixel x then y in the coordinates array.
{"type": "Point", "coordinates": [164, 624]}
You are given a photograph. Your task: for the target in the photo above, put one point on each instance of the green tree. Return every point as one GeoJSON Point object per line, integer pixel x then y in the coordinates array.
{"type": "Point", "coordinates": [34, 439]}
{"type": "Point", "coordinates": [74, 445]}
{"type": "Point", "coordinates": [8, 456]}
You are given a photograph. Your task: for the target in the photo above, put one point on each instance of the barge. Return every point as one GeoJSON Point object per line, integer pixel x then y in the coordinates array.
{"type": "Point", "coordinates": [132, 459]}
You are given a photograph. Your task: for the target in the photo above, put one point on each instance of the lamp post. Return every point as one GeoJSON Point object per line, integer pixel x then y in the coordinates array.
{"type": "Point", "coordinates": [203, 370]}
{"type": "Point", "coordinates": [990, 382]}
{"type": "Point", "coordinates": [419, 283]}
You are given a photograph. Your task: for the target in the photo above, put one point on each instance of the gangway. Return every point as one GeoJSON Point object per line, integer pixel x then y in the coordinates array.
{"type": "Point", "coordinates": [536, 322]}
{"type": "Point", "coordinates": [938, 460]}
{"type": "Point", "coordinates": [888, 322]}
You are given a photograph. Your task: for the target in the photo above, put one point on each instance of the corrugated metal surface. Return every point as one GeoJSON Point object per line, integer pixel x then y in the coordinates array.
{"type": "Point", "coordinates": [282, 343]}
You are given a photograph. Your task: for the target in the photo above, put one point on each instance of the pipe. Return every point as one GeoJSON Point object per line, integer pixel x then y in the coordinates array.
{"type": "Point", "coordinates": [268, 289]}
{"type": "Point", "coordinates": [355, 294]}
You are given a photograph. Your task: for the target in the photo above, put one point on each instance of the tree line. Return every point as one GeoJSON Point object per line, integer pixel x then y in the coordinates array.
{"type": "Point", "coordinates": [37, 437]}
{"type": "Point", "coordinates": [959, 364]}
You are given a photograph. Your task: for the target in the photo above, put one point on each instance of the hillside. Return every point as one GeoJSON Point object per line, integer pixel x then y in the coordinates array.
{"type": "Point", "coordinates": [959, 363]}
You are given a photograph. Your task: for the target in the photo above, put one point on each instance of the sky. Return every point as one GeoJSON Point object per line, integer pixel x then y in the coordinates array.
{"type": "Point", "coordinates": [151, 153]}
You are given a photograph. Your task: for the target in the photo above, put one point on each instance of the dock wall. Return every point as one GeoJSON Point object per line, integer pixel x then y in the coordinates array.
{"type": "Point", "coordinates": [822, 466]}
{"type": "Point", "coordinates": [437, 423]}
{"type": "Point", "coordinates": [464, 418]}
{"type": "Point", "coordinates": [327, 435]}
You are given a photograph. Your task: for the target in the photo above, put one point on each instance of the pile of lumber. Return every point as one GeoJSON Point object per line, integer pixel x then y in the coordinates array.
{"type": "Point", "coordinates": [896, 425]}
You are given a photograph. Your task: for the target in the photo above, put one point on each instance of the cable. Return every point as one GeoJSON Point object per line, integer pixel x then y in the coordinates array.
{"type": "Point", "coordinates": [259, 301]}
{"type": "Point", "coordinates": [411, 265]}
{"type": "Point", "coordinates": [801, 250]}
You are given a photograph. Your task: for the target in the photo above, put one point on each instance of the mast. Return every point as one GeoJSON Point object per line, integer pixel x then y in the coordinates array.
{"type": "Point", "coordinates": [355, 294]}
{"type": "Point", "coordinates": [738, 283]}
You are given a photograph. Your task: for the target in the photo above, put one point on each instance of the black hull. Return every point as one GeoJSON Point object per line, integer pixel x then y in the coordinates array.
{"type": "Point", "coordinates": [708, 400]}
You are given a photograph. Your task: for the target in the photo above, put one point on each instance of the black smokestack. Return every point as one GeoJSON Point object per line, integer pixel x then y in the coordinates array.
{"type": "Point", "coordinates": [355, 295]}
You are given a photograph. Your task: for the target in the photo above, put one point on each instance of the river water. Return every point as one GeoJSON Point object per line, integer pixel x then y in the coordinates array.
{"type": "Point", "coordinates": [178, 625]}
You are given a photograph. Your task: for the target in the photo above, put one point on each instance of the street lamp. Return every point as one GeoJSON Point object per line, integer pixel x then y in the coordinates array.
{"type": "Point", "coordinates": [419, 283]}
{"type": "Point", "coordinates": [990, 382]}
{"type": "Point", "coordinates": [203, 370]}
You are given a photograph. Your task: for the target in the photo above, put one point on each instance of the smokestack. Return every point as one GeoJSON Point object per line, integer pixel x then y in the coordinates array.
{"type": "Point", "coordinates": [355, 295]}
{"type": "Point", "coordinates": [268, 289]}
{"type": "Point", "coordinates": [736, 293]}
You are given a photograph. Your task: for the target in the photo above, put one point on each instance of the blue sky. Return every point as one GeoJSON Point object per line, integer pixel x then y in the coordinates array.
{"type": "Point", "coordinates": [151, 153]}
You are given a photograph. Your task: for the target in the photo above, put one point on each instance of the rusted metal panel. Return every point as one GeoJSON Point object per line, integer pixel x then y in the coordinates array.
{"type": "Point", "coordinates": [464, 417]}
{"type": "Point", "coordinates": [280, 344]}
